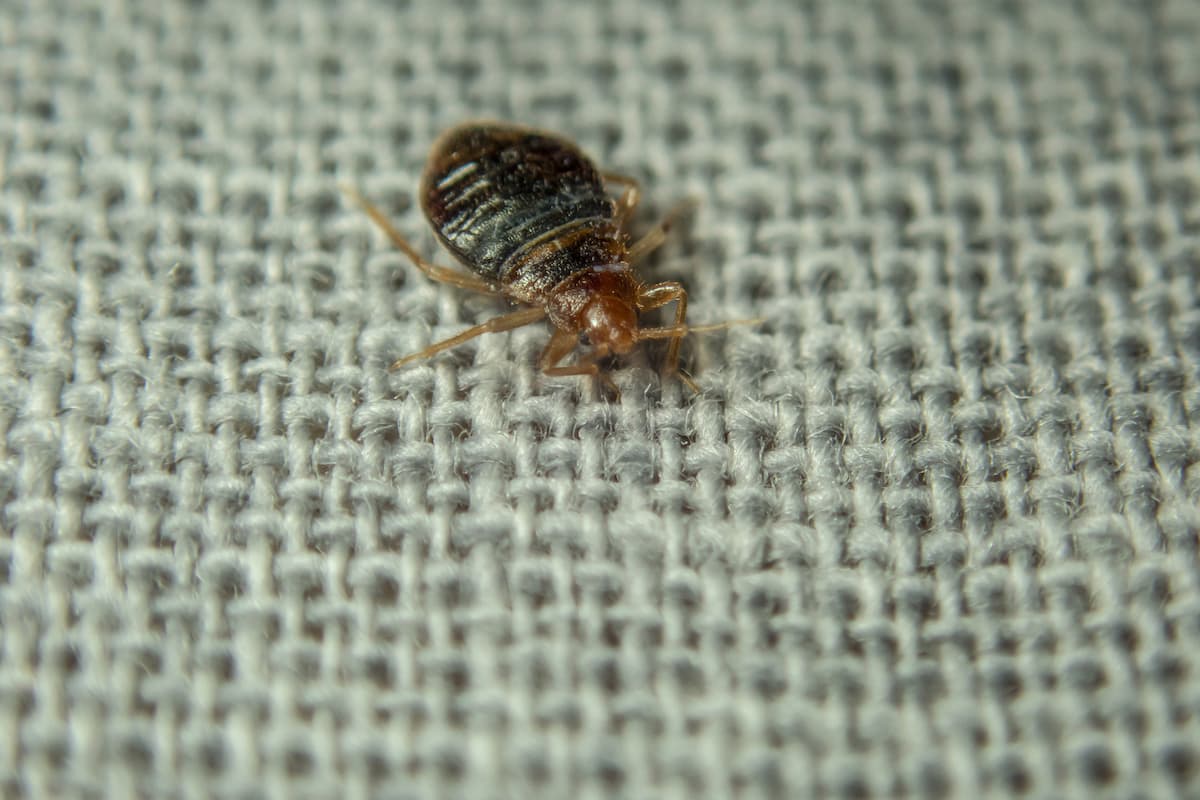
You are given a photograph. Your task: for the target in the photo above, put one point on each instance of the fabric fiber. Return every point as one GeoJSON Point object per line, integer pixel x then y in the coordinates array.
{"type": "Point", "coordinates": [928, 530]}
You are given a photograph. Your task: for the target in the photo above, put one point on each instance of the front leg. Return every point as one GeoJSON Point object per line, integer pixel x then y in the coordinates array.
{"type": "Point", "coordinates": [559, 347]}
{"type": "Point", "coordinates": [499, 324]}
{"type": "Point", "coordinates": [659, 295]}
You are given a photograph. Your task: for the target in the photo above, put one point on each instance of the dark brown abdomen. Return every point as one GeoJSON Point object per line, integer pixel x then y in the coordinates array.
{"type": "Point", "coordinates": [521, 208]}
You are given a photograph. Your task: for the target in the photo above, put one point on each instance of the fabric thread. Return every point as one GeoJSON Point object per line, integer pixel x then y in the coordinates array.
{"type": "Point", "coordinates": [930, 531]}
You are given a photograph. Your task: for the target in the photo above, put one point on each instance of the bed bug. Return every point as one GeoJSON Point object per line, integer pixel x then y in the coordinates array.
{"type": "Point", "coordinates": [529, 215]}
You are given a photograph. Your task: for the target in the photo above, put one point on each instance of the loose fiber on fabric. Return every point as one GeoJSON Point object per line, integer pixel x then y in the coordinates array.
{"type": "Point", "coordinates": [929, 531]}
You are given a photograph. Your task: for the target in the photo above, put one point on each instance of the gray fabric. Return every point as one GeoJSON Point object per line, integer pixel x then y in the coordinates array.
{"type": "Point", "coordinates": [931, 530]}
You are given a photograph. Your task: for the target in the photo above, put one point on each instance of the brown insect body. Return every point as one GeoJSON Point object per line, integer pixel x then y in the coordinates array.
{"type": "Point", "coordinates": [529, 212]}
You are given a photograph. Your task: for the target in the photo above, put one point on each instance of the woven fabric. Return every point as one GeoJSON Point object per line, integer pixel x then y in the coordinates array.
{"type": "Point", "coordinates": [928, 531]}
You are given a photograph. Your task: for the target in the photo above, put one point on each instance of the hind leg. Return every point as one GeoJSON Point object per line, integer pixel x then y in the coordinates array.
{"type": "Point", "coordinates": [628, 201]}
{"type": "Point", "coordinates": [452, 277]}
{"type": "Point", "coordinates": [654, 238]}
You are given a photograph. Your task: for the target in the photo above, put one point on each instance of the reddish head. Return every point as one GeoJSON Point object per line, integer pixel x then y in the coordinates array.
{"type": "Point", "coordinates": [601, 303]}
{"type": "Point", "coordinates": [611, 324]}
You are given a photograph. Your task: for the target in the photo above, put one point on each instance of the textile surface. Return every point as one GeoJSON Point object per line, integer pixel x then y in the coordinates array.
{"type": "Point", "coordinates": [929, 530]}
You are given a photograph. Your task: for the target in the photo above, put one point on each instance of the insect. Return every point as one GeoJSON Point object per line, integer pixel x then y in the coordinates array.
{"type": "Point", "coordinates": [529, 215]}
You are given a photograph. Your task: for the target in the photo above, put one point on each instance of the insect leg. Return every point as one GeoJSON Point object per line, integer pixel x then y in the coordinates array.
{"type": "Point", "coordinates": [627, 202]}
{"type": "Point", "coordinates": [505, 323]}
{"type": "Point", "coordinates": [559, 347]}
{"type": "Point", "coordinates": [658, 234]}
{"type": "Point", "coordinates": [659, 295]}
{"type": "Point", "coordinates": [446, 275]}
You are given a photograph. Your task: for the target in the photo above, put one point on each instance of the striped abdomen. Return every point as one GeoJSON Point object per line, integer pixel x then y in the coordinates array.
{"type": "Point", "coordinates": [520, 208]}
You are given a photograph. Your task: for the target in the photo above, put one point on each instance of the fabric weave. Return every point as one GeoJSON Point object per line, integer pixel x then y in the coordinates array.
{"type": "Point", "coordinates": [929, 531]}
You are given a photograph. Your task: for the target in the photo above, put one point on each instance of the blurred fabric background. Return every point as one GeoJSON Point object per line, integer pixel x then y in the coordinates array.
{"type": "Point", "coordinates": [930, 531]}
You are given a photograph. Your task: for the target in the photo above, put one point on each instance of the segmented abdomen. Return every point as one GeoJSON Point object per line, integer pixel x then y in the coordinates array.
{"type": "Point", "coordinates": [499, 197]}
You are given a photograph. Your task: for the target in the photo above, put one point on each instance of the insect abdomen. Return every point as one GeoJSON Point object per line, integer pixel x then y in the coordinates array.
{"type": "Point", "coordinates": [495, 193]}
